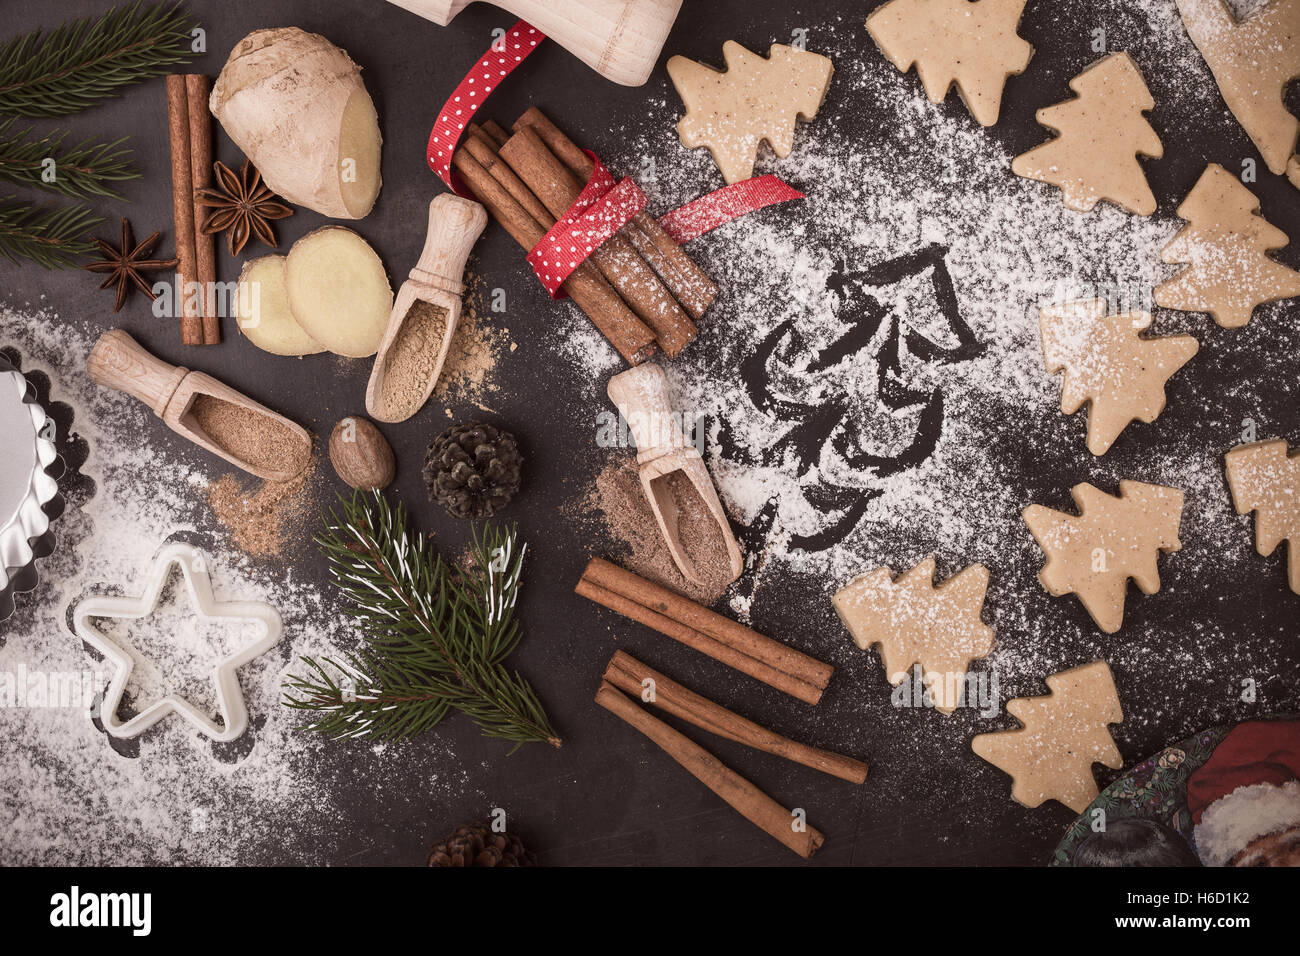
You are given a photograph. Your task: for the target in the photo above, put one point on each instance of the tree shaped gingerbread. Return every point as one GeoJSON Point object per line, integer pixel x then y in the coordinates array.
{"type": "Point", "coordinates": [1108, 364]}
{"type": "Point", "coordinates": [1253, 61]}
{"type": "Point", "coordinates": [1101, 134]}
{"type": "Point", "coordinates": [1266, 480]}
{"type": "Point", "coordinates": [1064, 734]}
{"type": "Point", "coordinates": [1093, 554]}
{"type": "Point", "coordinates": [971, 44]}
{"type": "Point", "coordinates": [1226, 243]}
{"type": "Point", "coordinates": [754, 99]}
{"type": "Point", "coordinates": [915, 622]}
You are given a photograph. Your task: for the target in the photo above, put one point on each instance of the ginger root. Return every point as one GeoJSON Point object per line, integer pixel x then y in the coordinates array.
{"type": "Point", "coordinates": [296, 105]}
{"type": "Point", "coordinates": [262, 309]}
{"type": "Point", "coordinates": [338, 291]}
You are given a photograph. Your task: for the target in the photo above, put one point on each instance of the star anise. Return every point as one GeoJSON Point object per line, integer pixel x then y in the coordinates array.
{"type": "Point", "coordinates": [125, 266]}
{"type": "Point", "coordinates": [242, 207]}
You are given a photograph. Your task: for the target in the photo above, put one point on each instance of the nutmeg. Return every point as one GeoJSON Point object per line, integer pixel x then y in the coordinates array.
{"type": "Point", "coordinates": [361, 455]}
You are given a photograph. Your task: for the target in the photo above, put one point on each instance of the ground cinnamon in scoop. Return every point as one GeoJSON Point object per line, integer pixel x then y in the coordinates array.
{"type": "Point", "coordinates": [248, 435]}
{"type": "Point", "coordinates": [702, 543]}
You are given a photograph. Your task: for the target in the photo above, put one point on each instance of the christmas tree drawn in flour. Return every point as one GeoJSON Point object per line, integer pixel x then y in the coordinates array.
{"type": "Point", "coordinates": [971, 45]}
{"type": "Point", "coordinates": [815, 413]}
{"type": "Point", "coordinates": [1108, 364]}
{"type": "Point", "coordinates": [1101, 134]}
{"type": "Point", "coordinates": [1225, 245]}
{"type": "Point", "coordinates": [915, 622]}
{"type": "Point", "coordinates": [1113, 538]}
{"type": "Point", "coordinates": [1266, 480]}
{"type": "Point", "coordinates": [1050, 757]}
{"type": "Point", "coordinates": [754, 99]}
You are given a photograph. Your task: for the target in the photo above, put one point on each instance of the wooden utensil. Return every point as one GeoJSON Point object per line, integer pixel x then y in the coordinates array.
{"type": "Point", "coordinates": [454, 226]}
{"type": "Point", "coordinates": [619, 39]}
{"type": "Point", "coordinates": [641, 394]}
{"type": "Point", "coordinates": [120, 362]}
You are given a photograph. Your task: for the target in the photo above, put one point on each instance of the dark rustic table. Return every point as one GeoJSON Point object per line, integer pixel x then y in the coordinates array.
{"type": "Point", "coordinates": [609, 797]}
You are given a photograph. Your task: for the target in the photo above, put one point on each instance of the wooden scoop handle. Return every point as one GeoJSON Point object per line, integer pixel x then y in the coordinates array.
{"type": "Point", "coordinates": [620, 39]}
{"type": "Point", "coordinates": [454, 226]}
{"type": "Point", "coordinates": [641, 394]}
{"type": "Point", "coordinates": [119, 361]}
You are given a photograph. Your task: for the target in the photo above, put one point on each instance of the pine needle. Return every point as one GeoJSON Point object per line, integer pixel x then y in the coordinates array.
{"type": "Point", "coordinates": [436, 635]}
{"type": "Point", "coordinates": [83, 62]}
{"type": "Point", "coordinates": [78, 171]}
{"type": "Point", "coordinates": [50, 236]}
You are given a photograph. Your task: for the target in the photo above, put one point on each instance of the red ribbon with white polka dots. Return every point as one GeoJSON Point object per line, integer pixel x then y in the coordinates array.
{"type": "Point", "coordinates": [495, 65]}
{"type": "Point", "coordinates": [601, 209]}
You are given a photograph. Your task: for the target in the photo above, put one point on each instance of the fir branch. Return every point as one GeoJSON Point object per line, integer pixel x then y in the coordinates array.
{"type": "Point", "coordinates": [436, 635]}
{"type": "Point", "coordinates": [50, 236]}
{"type": "Point", "coordinates": [83, 62]}
{"type": "Point", "coordinates": [79, 171]}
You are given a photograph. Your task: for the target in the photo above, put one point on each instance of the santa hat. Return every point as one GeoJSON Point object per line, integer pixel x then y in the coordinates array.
{"type": "Point", "coordinates": [1249, 788]}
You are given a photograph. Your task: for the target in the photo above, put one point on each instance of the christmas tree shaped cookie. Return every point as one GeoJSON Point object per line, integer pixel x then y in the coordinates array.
{"type": "Point", "coordinates": [971, 44]}
{"type": "Point", "coordinates": [915, 622]}
{"type": "Point", "coordinates": [1101, 134]}
{"type": "Point", "coordinates": [1064, 734]}
{"type": "Point", "coordinates": [1253, 61]}
{"type": "Point", "coordinates": [1093, 554]}
{"type": "Point", "coordinates": [1226, 243]}
{"type": "Point", "coordinates": [1266, 480]}
{"type": "Point", "coordinates": [755, 99]}
{"type": "Point", "coordinates": [1108, 364]}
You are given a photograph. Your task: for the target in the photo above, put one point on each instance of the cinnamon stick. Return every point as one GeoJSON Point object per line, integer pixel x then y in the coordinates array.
{"type": "Point", "coordinates": [687, 281]}
{"type": "Point", "coordinates": [484, 150]}
{"type": "Point", "coordinates": [197, 87]}
{"type": "Point", "coordinates": [588, 289]}
{"type": "Point", "coordinates": [495, 131]}
{"type": "Point", "coordinates": [719, 637]}
{"type": "Point", "coordinates": [557, 187]}
{"type": "Point", "coordinates": [750, 802]}
{"type": "Point", "coordinates": [178, 130]}
{"type": "Point", "coordinates": [628, 674]}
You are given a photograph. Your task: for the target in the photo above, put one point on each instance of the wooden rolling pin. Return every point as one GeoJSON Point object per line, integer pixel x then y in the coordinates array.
{"type": "Point", "coordinates": [209, 413]}
{"type": "Point", "coordinates": [619, 39]}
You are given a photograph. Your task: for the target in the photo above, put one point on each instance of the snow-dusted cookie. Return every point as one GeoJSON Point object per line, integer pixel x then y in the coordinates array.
{"type": "Point", "coordinates": [1064, 734]}
{"type": "Point", "coordinates": [1101, 134]}
{"type": "Point", "coordinates": [1108, 364]}
{"type": "Point", "coordinates": [754, 99]}
{"type": "Point", "coordinates": [971, 44]}
{"type": "Point", "coordinates": [1226, 243]}
{"type": "Point", "coordinates": [1266, 480]}
{"type": "Point", "coordinates": [1112, 539]}
{"type": "Point", "coordinates": [1252, 60]}
{"type": "Point", "coordinates": [915, 622]}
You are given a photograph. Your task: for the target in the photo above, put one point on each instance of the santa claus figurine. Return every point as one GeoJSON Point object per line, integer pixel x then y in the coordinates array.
{"type": "Point", "coordinates": [1245, 800]}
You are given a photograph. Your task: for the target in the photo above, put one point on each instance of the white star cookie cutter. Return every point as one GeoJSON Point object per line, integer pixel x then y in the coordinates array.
{"type": "Point", "coordinates": [230, 699]}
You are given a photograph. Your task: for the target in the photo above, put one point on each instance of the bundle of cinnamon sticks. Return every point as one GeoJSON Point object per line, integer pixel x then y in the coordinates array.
{"type": "Point", "coordinates": [189, 127]}
{"type": "Point", "coordinates": [625, 675]}
{"type": "Point", "coordinates": [710, 633]}
{"type": "Point", "coordinates": [639, 287]}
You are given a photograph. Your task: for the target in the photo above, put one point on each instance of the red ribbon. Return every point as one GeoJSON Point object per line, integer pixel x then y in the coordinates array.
{"type": "Point", "coordinates": [603, 206]}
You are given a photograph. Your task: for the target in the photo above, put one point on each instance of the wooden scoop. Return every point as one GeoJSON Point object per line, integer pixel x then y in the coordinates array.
{"type": "Point", "coordinates": [267, 445]}
{"type": "Point", "coordinates": [619, 39]}
{"type": "Point", "coordinates": [641, 394]}
{"type": "Point", "coordinates": [454, 226]}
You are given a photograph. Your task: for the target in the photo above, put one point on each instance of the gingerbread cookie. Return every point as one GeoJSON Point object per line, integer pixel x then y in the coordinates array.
{"type": "Point", "coordinates": [1050, 757]}
{"type": "Point", "coordinates": [754, 99]}
{"type": "Point", "coordinates": [1108, 364]}
{"type": "Point", "coordinates": [1112, 539]}
{"type": "Point", "coordinates": [916, 623]}
{"type": "Point", "coordinates": [1252, 60]}
{"type": "Point", "coordinates": [1226, 243]}
{"type": "Point", "coordinates": [1101, 133]}
{"type": "Point", "coordinates": [973, 45]}
{"type": "Point", "coordinates": [1266, 480]}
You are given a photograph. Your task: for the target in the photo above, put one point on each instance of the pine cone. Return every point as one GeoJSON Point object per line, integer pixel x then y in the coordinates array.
{"type": "Point", "coordinates": [472, 470]}
{"type": "Point", "coordinates": [474, 844]}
